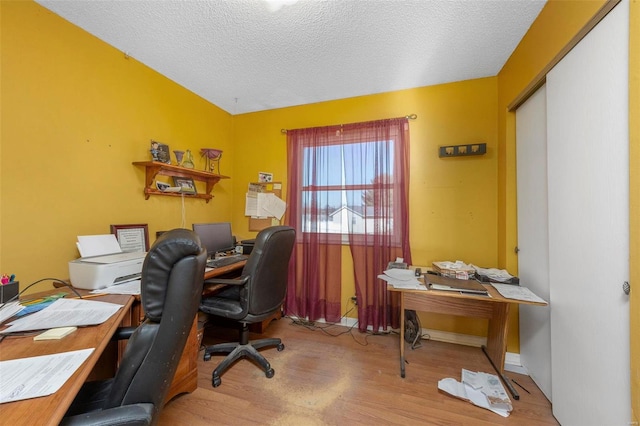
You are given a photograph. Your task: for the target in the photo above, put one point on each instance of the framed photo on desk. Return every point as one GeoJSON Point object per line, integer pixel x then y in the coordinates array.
{"type": "Point", "coordinates": [132, 237]}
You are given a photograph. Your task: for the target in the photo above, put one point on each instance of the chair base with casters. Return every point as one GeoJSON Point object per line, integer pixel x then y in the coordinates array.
{"type": "Point", "coordinates": [242, 349]}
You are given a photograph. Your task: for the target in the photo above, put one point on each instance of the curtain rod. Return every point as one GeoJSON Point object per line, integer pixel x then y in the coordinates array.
{"type": "Point", "coordinates": [408, 117]}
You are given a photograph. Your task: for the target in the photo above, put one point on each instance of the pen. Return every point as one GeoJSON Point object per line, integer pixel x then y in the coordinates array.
{"type": "Point", "coordinates": [89, 296]}
{"type": "Point", "coordinates": [520, 386]}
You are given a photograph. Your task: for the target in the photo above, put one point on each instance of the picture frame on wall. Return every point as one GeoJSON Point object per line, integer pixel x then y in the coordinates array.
{"type": "Point", "coordinates": [186, 185]}
{"type": "Point", "coordinates": [132, 238]}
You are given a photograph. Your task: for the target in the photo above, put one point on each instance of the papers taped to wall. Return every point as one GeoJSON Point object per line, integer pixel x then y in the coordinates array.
{"type": "Point", "coordinates": [481, 389]}
{"type": "Point", "coordinates": [263, 205]}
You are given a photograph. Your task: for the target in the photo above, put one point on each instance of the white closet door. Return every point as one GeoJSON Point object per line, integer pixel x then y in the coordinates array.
{"type": "Point", "coordinates": [533, 237]}
{"type": "Point", "coordinates": [588, 174]}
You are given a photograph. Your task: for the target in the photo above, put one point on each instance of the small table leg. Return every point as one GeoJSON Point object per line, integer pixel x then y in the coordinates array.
{"type": "Point", "coordinates": [402, 361]}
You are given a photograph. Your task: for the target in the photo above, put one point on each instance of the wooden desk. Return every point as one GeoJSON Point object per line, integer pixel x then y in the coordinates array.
{"type": "Point", "coordinates": [494, 308]}
{"type": "Point", "coordinates": [49, 410]}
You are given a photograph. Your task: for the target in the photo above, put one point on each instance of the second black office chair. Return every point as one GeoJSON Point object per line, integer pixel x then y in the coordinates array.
{"type": "Point", "coordinates": [255, 296]}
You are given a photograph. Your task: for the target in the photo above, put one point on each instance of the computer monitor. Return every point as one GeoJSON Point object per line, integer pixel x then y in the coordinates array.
{"type": "Point", "coordinates": [215, 237]}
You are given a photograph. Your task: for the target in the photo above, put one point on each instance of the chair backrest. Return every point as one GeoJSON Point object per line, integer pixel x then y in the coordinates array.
{"type": "Point", "coordinates": [268, 267]}
{"type": "Point", "coordinates": [171, 287]}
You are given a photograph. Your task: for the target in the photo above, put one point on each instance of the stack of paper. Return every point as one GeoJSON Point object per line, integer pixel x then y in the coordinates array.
{"type": "Point", "coordinates": [402, 278]}
{"type": "Point", "coordinates": [65, 313]}
{"type": "Point", "coordinates": [494, 274]}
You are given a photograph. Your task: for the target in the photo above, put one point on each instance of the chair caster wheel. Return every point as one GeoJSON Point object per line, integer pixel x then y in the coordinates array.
{"type": "Point", "coordinates": [269, 373]}
{"type": "Point", "coordinates": [215, 381]}
{"type": "Point", "coordinates": [280, 347]}
{"type": "Point", "coordinates": [207, 356]}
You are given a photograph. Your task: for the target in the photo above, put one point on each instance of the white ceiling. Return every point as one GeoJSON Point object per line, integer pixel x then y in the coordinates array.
{"type": "Point", "coordinates": [254, 55]}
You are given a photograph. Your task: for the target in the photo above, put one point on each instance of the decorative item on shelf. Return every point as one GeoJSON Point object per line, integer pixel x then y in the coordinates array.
{"type": "Point", "coordinates": [160, 152]}
{"type": "Point", "coordinates": [179, 154]}
{"type": "Point", "coordinates": [188, 160]}
{"type": "Point", "coordinates": [211, 155]}
{"type": "Point", "coordinates": [186, 185]}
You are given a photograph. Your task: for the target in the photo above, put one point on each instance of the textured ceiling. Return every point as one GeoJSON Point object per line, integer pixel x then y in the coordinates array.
{"type": "Point", "coordinates": [254, 55]}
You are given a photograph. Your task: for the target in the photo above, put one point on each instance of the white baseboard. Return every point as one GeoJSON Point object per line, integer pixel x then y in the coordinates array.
{"type": "Point", "coordinates": [512, 360]}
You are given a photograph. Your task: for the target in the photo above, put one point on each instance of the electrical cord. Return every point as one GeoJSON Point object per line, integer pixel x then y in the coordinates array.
{"type": "Point", "coordinates": [17, 296]}
{"type": "Point", "coordinates": [313, 326]}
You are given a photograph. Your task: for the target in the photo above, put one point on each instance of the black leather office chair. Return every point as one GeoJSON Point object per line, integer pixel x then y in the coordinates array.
{"type": "Point", "coordinates": [255, 296]}
{"type": "Point", "coordinates": [171, 288]}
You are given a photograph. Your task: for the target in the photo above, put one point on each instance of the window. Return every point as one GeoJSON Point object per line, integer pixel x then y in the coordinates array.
{"type": "Point", "coordinates": [341, 184]}
{"type": "Point", "coordinates": [347, 184]}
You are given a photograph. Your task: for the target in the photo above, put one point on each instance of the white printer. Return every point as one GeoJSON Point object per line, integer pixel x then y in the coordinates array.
{"type": "Point", "coordinates": [96, 270]}
{"type": "Point", "coordinates": [92, 273]}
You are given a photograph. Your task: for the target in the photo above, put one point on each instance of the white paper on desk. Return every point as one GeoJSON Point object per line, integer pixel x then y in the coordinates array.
{"type": "Point", "coordinates": [7, 310]}
{"type": "Point", "coordinates": [37, 376]}
{"type": "Point", "coordinates": [516, 292]}
{"type": "Point", "coordinates": [129, 287]}
{"type": "Point", "coordinates": [411, 284]}
{"type": "Point", "coordinates": [493, 273]}
{"type": "Point", "coordinates": [97, 245]}
{"type": "Point", "coordinates": [401, 274]}
{"type": "Point", "coordinates": [65, 313]}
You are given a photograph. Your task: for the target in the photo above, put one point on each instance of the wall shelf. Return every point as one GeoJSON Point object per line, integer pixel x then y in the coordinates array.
{"type": "Point", "coordinates": [154, 168]}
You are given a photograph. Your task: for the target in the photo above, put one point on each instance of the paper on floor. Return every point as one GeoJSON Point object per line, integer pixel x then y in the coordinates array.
{"type": "Point", "coordinates": [481, 389]}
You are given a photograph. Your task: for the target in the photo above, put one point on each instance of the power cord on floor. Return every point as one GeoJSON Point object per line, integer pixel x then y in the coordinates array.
{"type": "Point", "coordinates": [325, 327]}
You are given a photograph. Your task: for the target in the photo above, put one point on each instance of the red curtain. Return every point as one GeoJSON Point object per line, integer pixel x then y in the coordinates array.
{"type": "Point", "coordinates": [347, 185]}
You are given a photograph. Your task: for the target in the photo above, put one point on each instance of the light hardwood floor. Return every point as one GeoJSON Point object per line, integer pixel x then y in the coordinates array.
{"type": "Point", "coordinates": [345, 379]}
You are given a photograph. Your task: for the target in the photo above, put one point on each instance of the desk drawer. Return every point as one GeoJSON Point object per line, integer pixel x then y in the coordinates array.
{"type": "Point", "coordinates": [425, 302]}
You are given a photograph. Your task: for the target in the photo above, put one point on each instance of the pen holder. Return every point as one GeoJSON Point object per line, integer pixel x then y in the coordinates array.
{"type": "Point", "coordinates": [8, 291]}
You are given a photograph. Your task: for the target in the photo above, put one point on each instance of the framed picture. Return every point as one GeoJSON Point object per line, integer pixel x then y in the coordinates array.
{"type": "Point", "coordinates": [132, 237]}
{"type": "Point", "coordinates": [186, 185]}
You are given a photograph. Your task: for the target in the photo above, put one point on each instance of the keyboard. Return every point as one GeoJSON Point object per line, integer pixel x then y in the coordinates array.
{"type": "Point", "coordinates": [224, 261]}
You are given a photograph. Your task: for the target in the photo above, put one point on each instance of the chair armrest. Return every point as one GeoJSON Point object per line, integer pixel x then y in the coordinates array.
{"type": "Point", "coordinates": [123, 333]}
{"type": "Point", "coordinates": [129, 415]}
{"type": "Point", "coordinates": [242, 280]}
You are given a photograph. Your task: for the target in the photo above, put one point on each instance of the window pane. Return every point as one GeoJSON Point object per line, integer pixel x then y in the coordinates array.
{"type": "Point", "coordinates": [322, 165]}
{"type": "Point", "coordinates": [337, 208]}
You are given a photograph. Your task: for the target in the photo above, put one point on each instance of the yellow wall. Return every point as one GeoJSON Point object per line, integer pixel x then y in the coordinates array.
{"type": "Point", "coordinates": [453, 202]}
{"type": "Point", "coordinates": [75, 114]}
